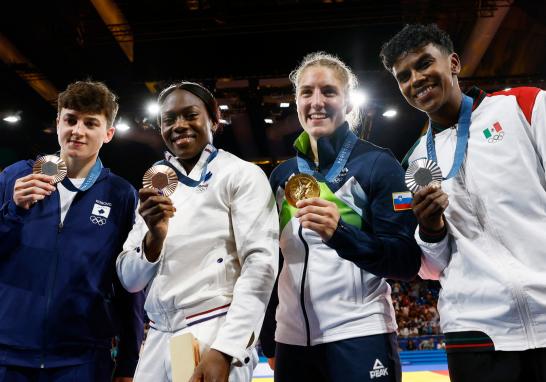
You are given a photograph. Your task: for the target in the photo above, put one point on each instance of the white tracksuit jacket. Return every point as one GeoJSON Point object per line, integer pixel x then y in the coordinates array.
{"type": "Point", "coordinates": [492, 263]}
{"type": "Point", "coordinates": [221, 249]}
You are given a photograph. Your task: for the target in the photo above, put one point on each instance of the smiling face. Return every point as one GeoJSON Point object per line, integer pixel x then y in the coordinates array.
{"type": "Point", "coordinates": [186, 126]}
{"type": "Point", "coordinates": [427, 78]}
{"type": "Point", "coordinates": [322, 101]}
{"type": "Point", "coordinates": [81, 135]}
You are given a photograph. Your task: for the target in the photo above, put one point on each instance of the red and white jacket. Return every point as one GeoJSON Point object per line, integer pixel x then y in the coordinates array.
{"type": "Point", "coordinates": [492, 263]}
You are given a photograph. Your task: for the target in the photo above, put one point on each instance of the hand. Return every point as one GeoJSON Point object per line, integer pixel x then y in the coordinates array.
{"type": "Point", "coordinates": [122, 379]}
{"type": "Point", "coordinates": [31, 188]}
{"type": "Point", "coordinates": [429, 205]}
{"type": "Point", "coordinates": [271, 362]}
{"type": "Point", "coordinates": [214, 367]}
{"type": "Point", "coordinates": [156, 210]}
{"type": "Point", "coordinates": [318, 215]}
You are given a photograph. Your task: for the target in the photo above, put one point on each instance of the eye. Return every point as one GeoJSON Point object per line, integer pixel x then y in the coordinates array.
{"type": "Point", "coordinates": [305, 92]}
{"type": "Point", "coordinates": [402, 77]}
{"type": "Point", "coordinates": [71, 121]}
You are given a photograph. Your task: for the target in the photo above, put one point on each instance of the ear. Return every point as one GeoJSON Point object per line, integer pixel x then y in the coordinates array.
{"type": "Point", "coordinates": [349, 107]}
{"type": "Point", "coordinates": [455, 63]}
{"type": "Point", "coordinates": [109, 134]}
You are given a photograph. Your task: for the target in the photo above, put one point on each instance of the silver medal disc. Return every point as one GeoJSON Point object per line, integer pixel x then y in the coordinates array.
{"type": "Point", "coordinates": [421, 173]}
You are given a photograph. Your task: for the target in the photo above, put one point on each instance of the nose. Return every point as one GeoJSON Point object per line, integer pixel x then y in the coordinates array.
{"type": "Point", "coordinates": [317, 99]}
{"type": "Point", "coordinates": [180, 123]}
{"type": "Point", "coordinates": [77, 128]}
{"type": "Point", "coordinates": [417, 78]}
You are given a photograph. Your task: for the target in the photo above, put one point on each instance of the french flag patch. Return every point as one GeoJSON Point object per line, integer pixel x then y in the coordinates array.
{"type": "Point", "coordinates": [401, 201]}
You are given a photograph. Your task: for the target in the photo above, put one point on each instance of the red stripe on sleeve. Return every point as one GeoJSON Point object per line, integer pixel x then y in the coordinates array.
{"type": "Point", "coordinates": [525, 96]}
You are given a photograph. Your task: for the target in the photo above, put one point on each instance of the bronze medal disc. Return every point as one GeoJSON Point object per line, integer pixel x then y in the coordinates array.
{"type": "Point", "coordinates": [50, 165]}
{"type": "Point", "coordinates": [299, 187]}
{"type": "Point", "coordinates": [162, 178]}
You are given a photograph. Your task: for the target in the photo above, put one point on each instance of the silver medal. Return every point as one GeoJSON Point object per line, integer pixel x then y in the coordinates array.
{"type": "Point", "coordinates": [421, 173]}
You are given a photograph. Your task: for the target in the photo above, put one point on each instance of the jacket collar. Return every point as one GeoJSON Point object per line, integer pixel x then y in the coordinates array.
{"type": "Point", "coordinates": [476, 94]}
{"type": "Point", "coordinates": [328, 147]}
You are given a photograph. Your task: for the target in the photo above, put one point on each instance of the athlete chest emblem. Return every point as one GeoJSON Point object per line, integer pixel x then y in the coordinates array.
{"type": "Point", "coordinates": [100, 212]}
{"type": "Point", "coordinates": [494, 133]}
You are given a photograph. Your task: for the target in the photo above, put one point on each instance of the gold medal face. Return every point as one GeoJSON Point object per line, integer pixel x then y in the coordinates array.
{"type": "Point", "coordinates": [162, 178]}
{"type": "Point", "coordinates": [50, 165]}
{"type": "Point", "coordinates": [299, 187]}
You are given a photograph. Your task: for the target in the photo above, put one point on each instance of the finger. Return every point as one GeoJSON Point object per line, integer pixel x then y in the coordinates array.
{"type": "Point", "coordinates": [41, 177]}
{"type": "Point", "coordinates": [435, 208]}
{"type": "Point", "coordinates": [318, 228]}
{"type": "Point", "coordinates": [21, 185]}
{"type": "Point", "coordinates": [145, 193]}
{"type": "Point", "coordinates": [311, 209]}
{"type": "Point", "coordinates": [426, 199]}
{"type": "Point", "coordinates": [153, 201]}
{"type": "Point", "coordinates": [314, 218]}
{"type": "Point", "coordinates": [313, 201]}
{"type": "Point", "coordinates": [32, 191]}
{"type": "Point", "coordinates": [33, 198]}
{"type": "Point", "coordinates": [164, 211]}
{"type": "Point", "coordinates": [425, 191]}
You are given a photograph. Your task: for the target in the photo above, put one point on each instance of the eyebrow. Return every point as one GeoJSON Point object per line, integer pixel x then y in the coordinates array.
{"type": "Point", "coordinates": [72, 115]}
{"type": "Point", "coordinates": [417, 62]}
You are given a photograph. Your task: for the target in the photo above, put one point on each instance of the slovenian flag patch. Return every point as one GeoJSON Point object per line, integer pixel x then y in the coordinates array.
{"type": "Point", "coordinates": [401, 201]}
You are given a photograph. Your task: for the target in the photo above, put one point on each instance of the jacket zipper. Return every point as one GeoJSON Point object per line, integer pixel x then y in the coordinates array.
{"type": "Point", "coordinates": [48, 298]}
{"type": "Point", "coordinates": [302, 289]}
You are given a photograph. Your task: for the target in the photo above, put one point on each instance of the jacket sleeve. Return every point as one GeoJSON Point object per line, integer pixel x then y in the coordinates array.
{"type": "Point", "coordinates": [534, 108]}
{"type": "Point", "coordinates": [133, 268]}
{"type": "Point", "coordinates": [385, 246]}
{"type": "Point", "coordinates": [267, 334]}
{"type": "Point", "coordinates": [435, 258]}
{"type": "Point", "coordinates": [256, 230]}
{"type": "Point", "coordinates": [130, 307]}
{"type": "Point", "coordinates": [11, 216]}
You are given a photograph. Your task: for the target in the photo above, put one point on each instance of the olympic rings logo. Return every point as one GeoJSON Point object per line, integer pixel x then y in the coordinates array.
{"type": "Point", "coordinates": [496, 138]}
{"type": "Point", "coordinates": [97, 220]}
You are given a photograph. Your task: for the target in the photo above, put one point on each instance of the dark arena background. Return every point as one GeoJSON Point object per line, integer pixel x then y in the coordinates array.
{"type": "Point", "coordinates": [243, 50]}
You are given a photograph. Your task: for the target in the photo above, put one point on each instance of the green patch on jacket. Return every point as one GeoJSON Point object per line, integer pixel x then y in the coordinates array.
{"type": "Point", "coordinates": [348, 215]}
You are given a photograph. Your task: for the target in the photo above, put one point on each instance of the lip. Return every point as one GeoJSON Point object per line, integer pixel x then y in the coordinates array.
{"type": "Point", "coordinates": [317, 117]}
{"type": "Point", "coordinates": [183, 139]}
{"type": "Point", "coordinates": [76, 143]}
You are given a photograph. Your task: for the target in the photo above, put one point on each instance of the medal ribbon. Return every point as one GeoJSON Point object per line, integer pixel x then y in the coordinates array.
{"type": "Point", "coordinates": [90, 179]}
{"type": "Point", "coordinates": [463, 131]}
{"type": "Point", "coordinates": [339, 163]}
{"type": "Point", "coordinates": [204, 175]}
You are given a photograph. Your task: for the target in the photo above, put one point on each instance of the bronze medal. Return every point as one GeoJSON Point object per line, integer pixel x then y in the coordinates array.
{"type": "Point", "coordinates": [299, 187]}
{"type": "Point", "coordinates": [50, 165]}
{"type": "Point", "coordinates": [162, 178]}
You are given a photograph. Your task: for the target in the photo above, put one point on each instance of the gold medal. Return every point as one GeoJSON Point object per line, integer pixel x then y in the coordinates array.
{"type": "Point", "coordinates": [299, 187]}
{"type": "Point", "coordinates": [162, 178]}
{"type": "Point", "coordinates": [50, 165]}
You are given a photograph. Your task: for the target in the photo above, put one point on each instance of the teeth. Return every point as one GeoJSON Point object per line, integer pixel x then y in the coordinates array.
{"type": "Point", "coordinates": [424, 92]}
{"type": "Point", "coordinates": [317, 116]}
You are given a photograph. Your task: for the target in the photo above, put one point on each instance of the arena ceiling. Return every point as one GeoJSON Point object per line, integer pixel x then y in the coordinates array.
{"type": "Point", "coordinates": [243, 50]}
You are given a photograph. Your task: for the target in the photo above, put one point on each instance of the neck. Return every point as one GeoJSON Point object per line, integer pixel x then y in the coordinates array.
{"type": "Point", "coordinates": [448, 114]}
{"type": "Point", "coordinates": [190, 163]}
{"type": "Point", "coordinates": [78, 168]}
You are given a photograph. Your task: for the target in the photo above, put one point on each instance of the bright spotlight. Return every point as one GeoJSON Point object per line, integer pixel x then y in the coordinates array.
{"type": "Point", "coordinates": [268, 120]}
{"type": "Point", "coordinates": [224, 121]}
{"type": "Point", "coordinates": [224, 107]}
{"type": "Point", "coordinates": [285, 104]}
{"type": "Point", "coordinates": [153, 108]}
{"type": "Point", "coordinates": [12, 119]}
{"type": "Point", "coordinates": [358, 98]}
{"type": "Point", "coordinates": [122, 126]}
{"type": "Point", "coordinates": [390, 113]}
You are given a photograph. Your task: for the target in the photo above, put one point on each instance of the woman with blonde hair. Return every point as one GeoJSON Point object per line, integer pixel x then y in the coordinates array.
{"type": "Point", "coordinates": [345, 227]}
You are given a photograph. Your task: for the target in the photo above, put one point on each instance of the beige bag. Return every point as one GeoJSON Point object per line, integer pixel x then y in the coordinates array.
{"type": "Point", "coordinates": [184, 356]}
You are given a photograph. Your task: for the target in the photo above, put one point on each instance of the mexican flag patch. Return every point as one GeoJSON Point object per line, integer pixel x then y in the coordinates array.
{"type": "Point", "coordinates": [490, 132]}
